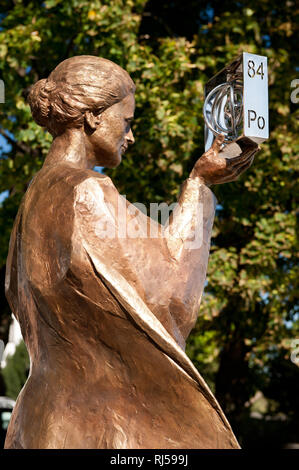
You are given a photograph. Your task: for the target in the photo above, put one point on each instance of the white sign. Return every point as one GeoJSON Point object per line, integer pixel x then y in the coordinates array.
{"type": "Point", "coordinates": [255, 96]}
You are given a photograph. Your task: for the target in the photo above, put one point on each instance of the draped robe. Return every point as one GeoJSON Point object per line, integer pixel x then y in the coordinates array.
{"type": "Point", "coordinates": [105, 311]}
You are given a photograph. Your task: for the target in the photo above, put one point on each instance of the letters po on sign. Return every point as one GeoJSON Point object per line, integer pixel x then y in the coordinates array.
{"type": "Point", "coordinates": [255, 97]}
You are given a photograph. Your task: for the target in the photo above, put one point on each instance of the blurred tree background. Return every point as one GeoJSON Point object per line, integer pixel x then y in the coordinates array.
{"type": "Point", "coordinates": [248, 317]}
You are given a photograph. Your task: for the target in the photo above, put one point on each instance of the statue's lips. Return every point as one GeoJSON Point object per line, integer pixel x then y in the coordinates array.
{"type": "Point", "coordinates": [124, 147]}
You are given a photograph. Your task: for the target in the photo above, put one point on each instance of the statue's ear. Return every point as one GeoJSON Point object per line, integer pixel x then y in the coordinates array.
{"type": "Point", "coordinates": [91, 121]}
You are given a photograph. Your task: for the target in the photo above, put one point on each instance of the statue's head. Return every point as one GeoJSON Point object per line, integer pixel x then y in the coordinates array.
{"type": "Point", "coordinates": [92, 94]}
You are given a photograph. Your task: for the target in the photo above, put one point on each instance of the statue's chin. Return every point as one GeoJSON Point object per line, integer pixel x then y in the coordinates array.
{"type": "Point", "coordinates": [112, 166]}
{"type": "Point", "coordinates": [112, 163]}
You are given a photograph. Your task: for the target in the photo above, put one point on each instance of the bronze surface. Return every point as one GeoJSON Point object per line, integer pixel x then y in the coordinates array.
{"type": "Point", "coordinates": [105, 318]}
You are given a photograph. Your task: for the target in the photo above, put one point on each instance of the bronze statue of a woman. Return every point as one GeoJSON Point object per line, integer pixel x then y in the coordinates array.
{"type": "Point", "coordinates": [104, 315]}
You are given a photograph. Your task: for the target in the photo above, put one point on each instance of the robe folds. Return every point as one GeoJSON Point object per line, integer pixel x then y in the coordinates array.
{"type": "Point", "coordinates": [105, 310]}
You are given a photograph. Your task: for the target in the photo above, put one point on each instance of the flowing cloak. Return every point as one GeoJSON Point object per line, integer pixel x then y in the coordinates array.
{"type": "Point", "coordinates": [105, 310]}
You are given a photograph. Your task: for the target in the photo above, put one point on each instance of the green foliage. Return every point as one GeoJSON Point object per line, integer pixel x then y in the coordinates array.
{"type": "Point", "coordinates": [248, 311]}
{"type": "Point", "coordinates": [16, 371]}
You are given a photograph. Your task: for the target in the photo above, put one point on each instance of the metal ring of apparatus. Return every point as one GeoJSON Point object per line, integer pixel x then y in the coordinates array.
{"type": "Point", "coordinates": [226, 110]}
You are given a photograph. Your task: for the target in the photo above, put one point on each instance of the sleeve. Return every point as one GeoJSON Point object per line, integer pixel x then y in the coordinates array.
{"type": "Point", "coordinates": [165, 264]}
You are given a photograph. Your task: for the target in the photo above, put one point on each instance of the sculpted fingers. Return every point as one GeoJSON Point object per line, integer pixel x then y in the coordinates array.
{"type": "Point", "coordinates": [240, 169]}
{"type": "Point", "coordinates": [215, 168]}
{"type": "Point", "coordinates": [247, 144]}
{"type": "Point", "coordinates": [216, 146]}
{"type": "Point", "coordinates": [240, 160]}
{"type": "Point", "coordinates": [244, 167]}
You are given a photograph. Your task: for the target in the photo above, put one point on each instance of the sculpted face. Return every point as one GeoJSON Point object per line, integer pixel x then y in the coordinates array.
{"type": "Point", "coordinates": [108, 135]}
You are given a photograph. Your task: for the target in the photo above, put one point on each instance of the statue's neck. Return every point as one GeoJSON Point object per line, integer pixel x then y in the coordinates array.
{"type": "Point", "coordinates": [70, 148]}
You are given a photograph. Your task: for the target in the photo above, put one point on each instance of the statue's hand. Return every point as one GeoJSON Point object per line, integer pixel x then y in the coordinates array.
{"type": "Point", "coordinates": [214, 168]}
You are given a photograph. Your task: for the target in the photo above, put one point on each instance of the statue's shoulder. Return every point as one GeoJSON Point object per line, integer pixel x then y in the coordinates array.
{"type": "Point", "coordinates": [85, 178]}
{"type": "Point", "coordinates": [89, 181]}
{"type": "Point", "coordinates": [63, 176]}
{"type": "Point", "coordinates": [66, 186]}
{"type": "Point", "coordinates": [92, 191]}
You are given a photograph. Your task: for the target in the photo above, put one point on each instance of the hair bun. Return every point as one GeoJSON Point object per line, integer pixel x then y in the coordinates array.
{"type": "Point", "coordinates": [39, 100]}
{"type": "Point", "coordinates": [78, 84]}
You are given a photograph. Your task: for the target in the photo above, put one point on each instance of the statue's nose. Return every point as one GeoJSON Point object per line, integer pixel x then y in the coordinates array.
{"type": "Point", "coordinates": [129, 137]}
